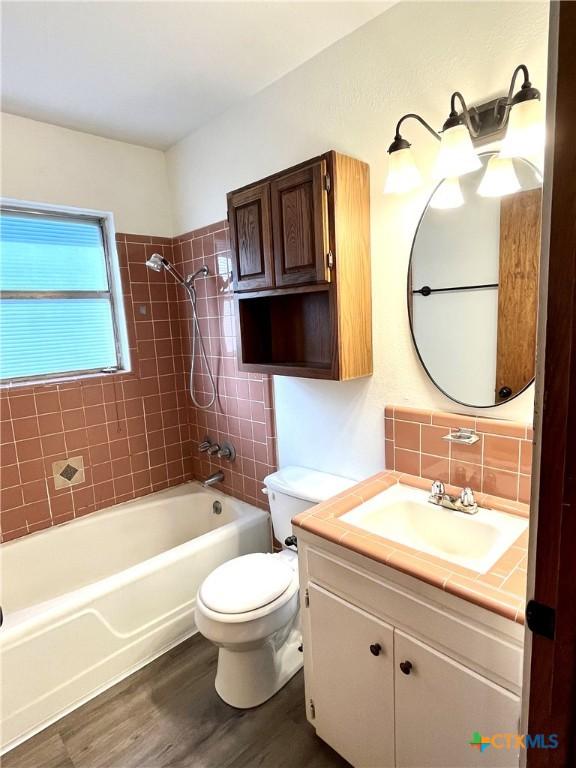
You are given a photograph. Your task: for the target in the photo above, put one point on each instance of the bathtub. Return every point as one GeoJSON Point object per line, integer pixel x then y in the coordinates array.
{"type": "Point", "coordinates": [89, 602]}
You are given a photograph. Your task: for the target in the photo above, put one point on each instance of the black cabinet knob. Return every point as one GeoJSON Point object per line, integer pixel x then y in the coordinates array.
{"type": "Point", "coordinates": [406, 667]}
{"type": "Point", "coordinates": [375, 649]}
{"type": "Point", "coordinates": [504, 392]}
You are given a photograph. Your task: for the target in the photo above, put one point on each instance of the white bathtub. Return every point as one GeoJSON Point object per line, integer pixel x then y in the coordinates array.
{"type": "Point", "coordinates": [89, 602]}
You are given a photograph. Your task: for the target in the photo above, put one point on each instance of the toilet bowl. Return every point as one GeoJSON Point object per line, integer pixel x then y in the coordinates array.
{"type": "Point", "coordinates": [249, 606]}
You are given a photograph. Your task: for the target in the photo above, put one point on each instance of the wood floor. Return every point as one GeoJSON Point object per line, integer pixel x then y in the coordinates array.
{"type": "Point", "coordinates": [168, 714]}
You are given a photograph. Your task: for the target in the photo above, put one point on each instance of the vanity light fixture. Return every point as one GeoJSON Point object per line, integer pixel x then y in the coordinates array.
{"type": "Point", "coordinates": [457, 155]}
{"type": "Point", "coordinates": [499, 178]}
{"type": "Point", "coordinates": [448, 195]}
{"type": "Point", "coordinates": [525, 115]}
{"type": "Point", "coordinates": [521, 113]}
{"type": "Point", "coordinates": [403, 174]}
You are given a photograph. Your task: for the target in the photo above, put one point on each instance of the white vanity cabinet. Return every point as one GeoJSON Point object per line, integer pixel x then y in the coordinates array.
{"type": "Point", "coordinates": [353, 663]}
{"type": "Point", "coordinates": [439, 705]}
{"type": "Point", "coordinates": [398, 673]}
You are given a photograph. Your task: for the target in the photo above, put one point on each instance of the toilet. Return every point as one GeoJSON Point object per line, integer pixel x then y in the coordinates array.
{"type": "Point", "coordinates": [249, 606]}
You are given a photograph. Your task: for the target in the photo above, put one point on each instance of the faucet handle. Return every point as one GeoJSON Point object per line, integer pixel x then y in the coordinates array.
{"type": "Point", "coordinates": [227, 451]}
{"type": "Point", "coordinates": [204, 445]}
{"type": "Point", "coordinates": [467, 497]}
{"type": "Point", "coordinates": [437, 488]}
{"type": "Point", "coordinates": [214, 448]}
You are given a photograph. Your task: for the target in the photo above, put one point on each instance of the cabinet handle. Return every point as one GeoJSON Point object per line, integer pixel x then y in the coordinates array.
{"type": "Point", "coordinates": [406, 667]}
{"type": "Point", "coordinates": [375, 649]}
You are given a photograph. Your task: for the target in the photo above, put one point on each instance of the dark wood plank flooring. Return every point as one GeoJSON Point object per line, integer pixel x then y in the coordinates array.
{"type": "Point", "coordinates": [168, 714]}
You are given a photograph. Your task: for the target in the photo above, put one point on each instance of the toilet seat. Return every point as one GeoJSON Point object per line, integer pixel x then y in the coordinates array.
{"type": "Point", "coordinates": [245, 584]}
{"type": "Point", "coordinates": [271, 612]}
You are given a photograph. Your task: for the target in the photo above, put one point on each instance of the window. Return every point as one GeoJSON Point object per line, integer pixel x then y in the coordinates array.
{"type": "Point", "coordinates": [61, 311]}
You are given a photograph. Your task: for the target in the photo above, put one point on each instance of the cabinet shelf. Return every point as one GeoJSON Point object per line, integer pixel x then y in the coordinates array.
{"type": "Point", "coordinates": [287, 330]}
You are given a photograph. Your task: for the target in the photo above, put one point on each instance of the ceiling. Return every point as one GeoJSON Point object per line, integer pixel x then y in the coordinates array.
{"type": "Point", "coordinates": [152, 72]}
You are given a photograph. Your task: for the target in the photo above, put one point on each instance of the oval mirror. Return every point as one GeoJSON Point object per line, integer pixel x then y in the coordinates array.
{"type": "Point", "coordinates": [473, 285]}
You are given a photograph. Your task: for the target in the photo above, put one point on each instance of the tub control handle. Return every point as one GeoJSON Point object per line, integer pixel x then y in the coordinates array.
{"type": "Point", "coordinates": [227, 451]}
{"type": "Point", "coordinates": [375, 649]}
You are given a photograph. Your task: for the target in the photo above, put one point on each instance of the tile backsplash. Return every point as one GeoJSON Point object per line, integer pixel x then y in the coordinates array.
{"type": "Point", "coordinates": [137, 433]}
{"type": "Point", "coordinates": [500, 463]}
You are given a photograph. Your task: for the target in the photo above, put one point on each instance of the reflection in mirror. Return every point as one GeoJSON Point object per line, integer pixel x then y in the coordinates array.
{"type": "Point", "coordinates": [473, 288]}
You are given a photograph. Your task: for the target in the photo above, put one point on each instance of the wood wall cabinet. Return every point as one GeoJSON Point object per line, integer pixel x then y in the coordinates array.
{"type": "Point", "coordinates": [251, 234]}
{"type": "Point", "coordinates": [301, 270]}
{"type": "Point", "coordinates": [299, 223]}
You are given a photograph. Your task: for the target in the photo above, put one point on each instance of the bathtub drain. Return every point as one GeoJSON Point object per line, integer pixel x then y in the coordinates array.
{"type": "Point", "coordinates": [217, 508]}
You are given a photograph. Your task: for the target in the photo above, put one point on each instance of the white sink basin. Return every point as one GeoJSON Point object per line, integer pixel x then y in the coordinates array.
{"type": "Point", "coordinates": [403, 514]}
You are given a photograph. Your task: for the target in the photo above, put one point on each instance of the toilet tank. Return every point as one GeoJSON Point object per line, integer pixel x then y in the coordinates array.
{"type": "Point", "coordinates": [292, 490]}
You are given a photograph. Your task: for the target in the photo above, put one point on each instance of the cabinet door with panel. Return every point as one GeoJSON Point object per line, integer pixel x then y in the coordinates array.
{"type": "Point", "coordinates": [440, 704]}
{"type": "Point", "coordinates": [251, 236]}
{"type": "Point", "coordinates": [352, 685]}
{"type": "Point", "coordinates": [300, 226]}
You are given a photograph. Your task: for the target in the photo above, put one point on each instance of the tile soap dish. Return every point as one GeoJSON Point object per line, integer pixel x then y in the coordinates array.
{"type": "Point", "coordinates": [462, 436]}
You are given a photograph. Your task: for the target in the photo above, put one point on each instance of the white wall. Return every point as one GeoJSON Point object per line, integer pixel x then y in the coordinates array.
{"type": "Point", "coordinates": [348, 98]}
{"type": "Point", "coordinates": [48, 164]}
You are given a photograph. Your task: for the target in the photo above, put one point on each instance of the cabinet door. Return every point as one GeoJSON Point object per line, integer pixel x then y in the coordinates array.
{"type": "Point", "coordinates": [440, 705]}
{"type": "Point", "coordinates": [299, 216]}
{"type": "Point", "coordinates": [251, 238]}
{"type": "Point", "coordinates": [351, 680]}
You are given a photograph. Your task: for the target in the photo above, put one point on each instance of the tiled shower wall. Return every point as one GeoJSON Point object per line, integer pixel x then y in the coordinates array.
{"type": "Point", "coordinates": [137, 433]}
{"type": "Point", "coordinates": [243, 413]}
{"type": "Point", "coordinates": [499, 464]}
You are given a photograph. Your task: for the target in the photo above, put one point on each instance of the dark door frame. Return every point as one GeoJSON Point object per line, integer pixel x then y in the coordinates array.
{"type": "Point", "coordinates": [552, 680]}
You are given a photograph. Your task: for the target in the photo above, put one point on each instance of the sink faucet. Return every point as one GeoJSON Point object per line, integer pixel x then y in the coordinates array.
{"type": "Point", "coordinates": [464, 503]}
{"type": "Point", "coordinates": [215, 477]}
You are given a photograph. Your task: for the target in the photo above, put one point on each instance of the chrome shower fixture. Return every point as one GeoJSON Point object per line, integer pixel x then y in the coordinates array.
{"type": "Point", "coordinates": [157, 263]}
{"type": "Point", "coordinates": [202, 272]}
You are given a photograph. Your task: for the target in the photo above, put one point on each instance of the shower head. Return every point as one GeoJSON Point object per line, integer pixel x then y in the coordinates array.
{"type": "Point", "coordinates": [156, 262]}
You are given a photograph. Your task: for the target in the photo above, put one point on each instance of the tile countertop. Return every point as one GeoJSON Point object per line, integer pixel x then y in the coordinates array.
{"type": "Point", "coordinates": [501, 590]}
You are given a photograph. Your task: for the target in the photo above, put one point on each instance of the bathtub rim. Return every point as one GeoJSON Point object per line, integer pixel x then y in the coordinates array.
{"type": "Point", "coordinates": [17, 622]}
{"type": "Point", "coordinates": [99, 514]}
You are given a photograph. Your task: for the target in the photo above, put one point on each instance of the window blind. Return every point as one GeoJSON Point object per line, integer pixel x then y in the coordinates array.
{"type": "Point", "coordinates": [56, 306]}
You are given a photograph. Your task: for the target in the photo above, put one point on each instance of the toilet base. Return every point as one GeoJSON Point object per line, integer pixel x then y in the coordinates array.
{"type": "Point", "coordinates": [247, 678]}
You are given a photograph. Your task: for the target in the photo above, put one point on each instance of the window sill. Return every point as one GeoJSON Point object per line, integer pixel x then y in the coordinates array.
{"type": "Point", "coordinates": [65, 379]}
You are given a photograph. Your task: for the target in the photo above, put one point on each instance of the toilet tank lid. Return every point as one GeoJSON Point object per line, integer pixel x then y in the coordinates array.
{"type": "Point", "coordinates": [307, 484]}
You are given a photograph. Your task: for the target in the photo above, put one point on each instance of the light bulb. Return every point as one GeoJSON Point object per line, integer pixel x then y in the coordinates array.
{"type": "Point", "coordinates": [403, 175]}
{"type": "Point", "coordinates": [448, 195]}
{"type": "Point", "coordinates": [457, 155]}
{"type": "Point", "coordinates": [525, 131]}
{"type": "Point", "coordinates": [499, 178]}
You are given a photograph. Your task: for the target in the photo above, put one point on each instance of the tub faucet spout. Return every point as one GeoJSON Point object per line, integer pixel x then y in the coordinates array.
{"type": "Point", "coordinates": [215, 477]}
